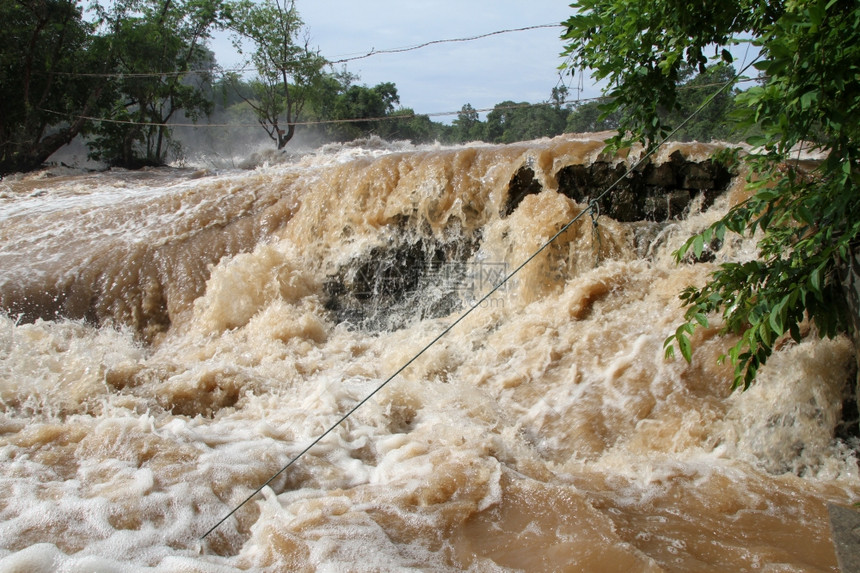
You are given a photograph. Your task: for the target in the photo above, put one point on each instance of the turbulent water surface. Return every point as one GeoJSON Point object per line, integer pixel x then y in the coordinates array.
{"type": "Point", "coordinates": [172, 338]}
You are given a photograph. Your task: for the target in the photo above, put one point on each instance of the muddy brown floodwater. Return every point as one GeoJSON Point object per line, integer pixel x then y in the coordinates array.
{"type": "Point", "coordinates": [172, 338]}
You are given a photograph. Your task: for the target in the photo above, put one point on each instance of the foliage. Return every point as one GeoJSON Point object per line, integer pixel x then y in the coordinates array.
{"type": "Point", "coordinates": [141, 65]}
{"type": "Point", "coordinates": [640, 48]}
{"type": "Point", "coordinates": [326, 90]}
{"type": "Point", "coordinates": [414, 127]}
{"type": "Point", "coordinates": [44, 45]}
{"type": "Point", "coordinates": [467, 126]}
{"type": "Point", "coordinates": [358, 103]}
{"type": "Point", "coordinates": [712, 122]}
{"type": "Point", "coordinates": [588, 117]}
{"type": "Point", "coordinates": [154, 44]}
{"type": "Point", "coordinates": [510, 121]}
{"type": "Point", "coordinates": [287, 69]}
{"type": "Point", "coordinates": [807, 222]}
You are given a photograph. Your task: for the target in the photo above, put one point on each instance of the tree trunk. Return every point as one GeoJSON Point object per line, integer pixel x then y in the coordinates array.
{"type": "Point", "coordinates": [284, 138]}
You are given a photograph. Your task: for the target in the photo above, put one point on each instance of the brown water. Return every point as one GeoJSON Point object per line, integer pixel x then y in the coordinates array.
{"type": "Point", "coordinates": [174, 337]}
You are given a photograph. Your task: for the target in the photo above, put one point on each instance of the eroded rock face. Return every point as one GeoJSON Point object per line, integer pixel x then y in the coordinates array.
{"type": "Point", "coordinates": [650, 193]}
{"type": "Point", "coordinates": [849, 281]}
{"type": "Point", "coordinates": [524, 183]}
{"type": "Point", "coordinates": [417, 275]}
{"type": "Point", "coordinates": [387, 287]}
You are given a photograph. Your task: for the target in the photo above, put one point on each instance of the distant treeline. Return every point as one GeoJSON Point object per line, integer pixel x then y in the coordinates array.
{"type": "Point", "coordinates": [122, 75]}
{"type": "Point", "coordinates": [376, 111]}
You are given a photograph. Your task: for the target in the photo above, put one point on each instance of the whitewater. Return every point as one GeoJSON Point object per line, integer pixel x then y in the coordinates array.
{"type": "Point", "coordinates": [171, 338]}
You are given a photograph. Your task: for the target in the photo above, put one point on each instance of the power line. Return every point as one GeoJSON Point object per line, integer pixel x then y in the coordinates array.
{"type": "Point", "coordinates": [593, 209]}
{"type": "Point", "coordinates": [434, 42]}
{"type": "Point", "coordinates": [122, 75]}
{"type": "Point", "coordinates": [392, 117]}
{"type": "Point", "coordinates": [224, 72]}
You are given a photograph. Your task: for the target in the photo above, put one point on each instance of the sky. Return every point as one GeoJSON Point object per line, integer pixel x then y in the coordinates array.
{"type": "Point", "coordinates": [517, 66]}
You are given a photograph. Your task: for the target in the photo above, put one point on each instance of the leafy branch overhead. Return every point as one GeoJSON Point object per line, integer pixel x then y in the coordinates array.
{"type": "Point", "coordinates": [808, 222]}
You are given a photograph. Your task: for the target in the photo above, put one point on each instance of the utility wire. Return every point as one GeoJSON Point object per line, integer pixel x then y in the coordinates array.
{"type": "Point", "coordinates": [593, 207]}
{"type": "Point", "coordinates": [393, 117]}
{"type": "Point", "coordinates": [224, 72]}
{"type": "Point", "coordinates": [434, 42]}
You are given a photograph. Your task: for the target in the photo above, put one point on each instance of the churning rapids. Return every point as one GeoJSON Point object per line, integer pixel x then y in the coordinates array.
{"type": "Point", "coordinates": [171, 338]}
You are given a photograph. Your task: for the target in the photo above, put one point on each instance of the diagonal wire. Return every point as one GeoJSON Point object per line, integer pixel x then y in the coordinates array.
{"type": "Point", "coordinates": [245, 68]}
{"type": "Point", "coordinates": [450, 40]}
{"type": "Point", "coordinates": [592, 206]}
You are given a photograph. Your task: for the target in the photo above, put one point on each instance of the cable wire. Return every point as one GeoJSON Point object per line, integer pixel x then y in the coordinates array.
{"type": "Point", "coordinates": [593, 206]}
{"type": "Point", "coordinates": [450, 40]}
{"type": "Point", "coordinates": [393, 117]}
{"type": "Point", "coordinates": [223, 72]}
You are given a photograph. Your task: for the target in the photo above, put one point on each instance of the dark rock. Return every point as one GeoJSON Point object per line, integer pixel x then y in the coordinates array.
{"type": "Point", "coordinates": [845, 529]}
{"type": "Point", "coordinates": [660, 175]}
{"type": "Point", "coordinates": [697, 176]}
{"type": "Point", "coordinates": [662, 204]}
{"type": "Point", "coordinates": [575, 181]}
{"type": "Point", "coordinates": [648, 193]}
{"type": "Point", "coordinates": [522, 184]}
{"type": "Point", "coordinates": [388, 287]}
{"type": "Point", "coordinates": [848, 271]}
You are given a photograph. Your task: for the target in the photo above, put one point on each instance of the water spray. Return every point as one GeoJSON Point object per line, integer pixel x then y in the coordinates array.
{"type": "Point", "coordinates": [592, 209]}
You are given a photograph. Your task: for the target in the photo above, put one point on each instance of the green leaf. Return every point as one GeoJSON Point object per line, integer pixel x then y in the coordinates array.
{"type": "Point", "coordinates": [807, 99]}
{"type": "Point", "coordinates": [803, 215]}
{"type": "Point", "coordinates": [685, 347]}
{"type": "Point", "coordinates": [815, 13]}
{"type": "Point", "coordinates": [669, 350]}
{"type": "Point", "coordinates": [794, 329]}
{"type": "Point", "coordinates": [766, 194]}
{"type": "Point", "coordinates": [815, 279]}
{"type": "Point", "coordinates": [765, 335]}
{"type": "Point", "coordinates": [698, 245]}
{"type": "Point", "coordinates": [775, 322]}
{"type": "Point", "coordinates": [701, 319]}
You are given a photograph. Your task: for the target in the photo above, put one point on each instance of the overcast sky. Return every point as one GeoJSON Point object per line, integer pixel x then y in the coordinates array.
{"type": "Point", "coordinates": [518, 66]}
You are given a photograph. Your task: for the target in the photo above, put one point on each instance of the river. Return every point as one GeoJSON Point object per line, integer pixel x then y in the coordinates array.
{"type": "Point", "coordinates": [172, 338]}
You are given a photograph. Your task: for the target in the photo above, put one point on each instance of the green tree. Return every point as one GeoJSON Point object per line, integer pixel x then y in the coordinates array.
{"type": "Point", "coordinates": [468, 125]}
{"type": "Point", "coordinates": [810, 56]}
{"type": "Point", "coordinates": [510, 121]}
{"type": "Point", "coordinates": [47, 52]}
{"type": "Point", "coordinates": [360, 108]}
{"type": "Point", "coordinates": [712, 122]}
{"type": "Point", "coordinates": [588, 117]}
{"type": "Point", "coordinates": [413, 127]}
{"type": "Point", "coordinates": [322, 99]}
{"type": "Point", "coordinates": [161, 67]}
{"type": "Point", "coordinates": [558, 96]}
{"type": "Point", "coordinates": [286, 67]}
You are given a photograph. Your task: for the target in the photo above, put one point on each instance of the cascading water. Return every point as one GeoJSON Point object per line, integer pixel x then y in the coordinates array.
{"type": "Point", "coordinates": [173, 338]}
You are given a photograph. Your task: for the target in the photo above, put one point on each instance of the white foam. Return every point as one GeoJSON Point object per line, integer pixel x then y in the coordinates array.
{"type": "Point", "coordinates": [118, 454]}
